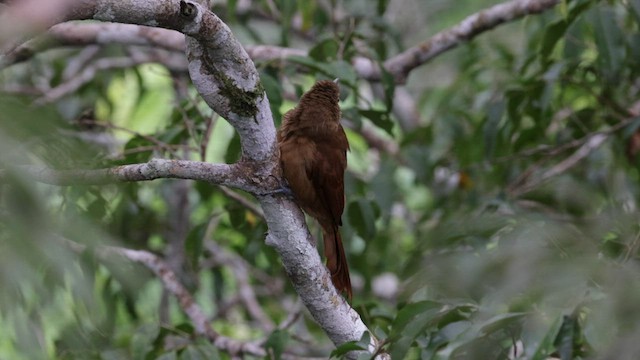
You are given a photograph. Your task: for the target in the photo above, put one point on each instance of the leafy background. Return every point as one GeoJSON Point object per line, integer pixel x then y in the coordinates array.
{"type": "Point", "coordinates": [505, 226]}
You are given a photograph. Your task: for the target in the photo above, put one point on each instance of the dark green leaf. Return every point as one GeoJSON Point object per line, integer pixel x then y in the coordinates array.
{"type": "Point", "coordinates": [193, 245]}
{"type": "Point", "coordinates": [142, 341]}
{"type": "Point", "coordinates": [362, 217]}
{"type": "Point", "coordinates": [325, 50]}
{"type": "Point", "coordinates": [349, 346]}
{"type": "Point", "coordinates": [379, 118]}
{"type": "Point", "coordinates": [277, 343]}
{"type": "Point", "coordinates": [610, 43]}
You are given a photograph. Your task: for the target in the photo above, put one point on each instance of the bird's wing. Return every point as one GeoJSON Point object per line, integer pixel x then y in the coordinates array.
{"type": "Point", "coordinates": [327, 175]}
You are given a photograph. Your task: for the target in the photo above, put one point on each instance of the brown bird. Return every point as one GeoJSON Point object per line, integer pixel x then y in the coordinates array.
{"type": "Point", "coordinates": [313, 156]}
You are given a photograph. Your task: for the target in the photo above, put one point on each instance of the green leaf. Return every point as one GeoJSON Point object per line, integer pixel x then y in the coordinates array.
{"type": "Point", "coordinates": [491, 128]}
{"type": "Point", "coordinates": [168, 356]}
{"type": "Point", "coordinates": [545, 348]}
{"type": "Point", "coordinates": [203, 350]}
{"type": "Point", "coordinates": [233, 150]}
{"type": "Point", "coordinates": [634, 6]}
{"type": "Point", "coordinates": [342, 70]}
{"type": "Point", "coordinates": [193, 245]}
{"type": "Point", "coordinates": [362, 217]}
{"type": "Point", "coordinates": [277, 342]}
{"type": "Point", "coordinates": [610, 43]}
{"type": "Point", "coordinates": [274, 93]}
{"type": "Point", "coordinates": [307, 10]}
{"type": "Point", "coordinates": [565, 339]}
{"type": "Point", "coordinates": [142, 341]}
{"type": "Point", "coordinates": [381, 7]}
{"type": "Point", "coordinates": [389, 86]}
{"type": "Point", "coordinates": [325, 50]}
{"type": "Point", "coordinates": [287, 11]}
{"type": "Point", "coordinates": [552, 35]}
{"type": "Point", "coordinates": [360, 345]}
{"type": "Point", "coordinates": [379, 118]}
{"type": "Point", "coordinates": [411, 321]}
{"type": "Point", "coordinates": [336, 69]}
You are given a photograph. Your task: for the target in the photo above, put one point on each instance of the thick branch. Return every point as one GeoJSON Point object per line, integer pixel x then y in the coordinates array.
{"type": "Point", "coordinates": [228, 81]}
{"type": "Point", "coordinates": [307, 273]}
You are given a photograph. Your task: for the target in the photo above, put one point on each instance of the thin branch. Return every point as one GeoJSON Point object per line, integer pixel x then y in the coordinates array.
{"type": "Point", "coordinates": [402, 64]}
{"type": "Point", "coordinates": [245, 292]}
{"type": "Point", "coordinates": [589, 146]}
{"type": "Point", "coordinates": [171, 283]}
{"type": "Point", "coordinates": [220, 174]}
{"type": "Point", "coordinates": [248, 204]}
{"type": "Point", "coordinates": [159, 144]}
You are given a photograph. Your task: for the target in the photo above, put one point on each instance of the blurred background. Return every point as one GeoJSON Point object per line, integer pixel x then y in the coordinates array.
{"type": "Point", "coordinates": [492, 199]}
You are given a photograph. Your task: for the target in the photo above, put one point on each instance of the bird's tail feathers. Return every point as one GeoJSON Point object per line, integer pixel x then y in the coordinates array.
{"type": "Point", "coordinates": [337, 260]}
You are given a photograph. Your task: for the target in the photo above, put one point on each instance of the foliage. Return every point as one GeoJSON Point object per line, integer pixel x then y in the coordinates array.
{"type": "Point", "coordinates": [508, 215]}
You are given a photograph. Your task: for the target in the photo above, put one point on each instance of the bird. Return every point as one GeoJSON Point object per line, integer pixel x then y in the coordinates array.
{"type": "Point", "coordinates": [313, 158]}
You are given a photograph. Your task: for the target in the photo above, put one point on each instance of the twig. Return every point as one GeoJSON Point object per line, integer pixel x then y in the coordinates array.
{"type": "Point", "coordinates": [245, 291]}
{"type": "Point", "coordinates": [593, 143]}
{"type": "Point", "coordinates": [160, 144]}
{"type": "Point", "coordinates": [85, 76]}
{"type": "Point", "coordinates": [402, 64]}
{"type": "Point", "coordinates": [188, 304]}
{"type": "Point", "coordinates": [255, 209]}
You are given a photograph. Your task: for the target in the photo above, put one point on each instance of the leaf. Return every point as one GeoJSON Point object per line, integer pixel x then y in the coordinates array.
{"type": "Point", "coordinates": [336, 69]}
{"type": "Point", "coordinates": [142, 341]}
{"type": "Point", "coordinates": [545, 348]}
{"type": "Point", "coordinates": [565, 338]}
{"type": "Point", "coordinates": [389, 86]}
{"type": "Point", "coordinates": [203, 350]}
{"type": "Point", "coordinates": [342, 70]}
{"type": "Point", "coordinates": [277, 342]}
{"type": "Point", "coordinates": [168, 356]}
{"type": "Point", "coordinates": [325, 50]}
{"type": "Point", "coordinates": [634, 6]}
{"type": "Point", "coordinates": [412, 320]}
{"type": "Point", "coordinates": [379, 118]}
{"type": "Point", "coordinates": [362, 344]}
{"type": "Point", "coordinates": [307, 10]}
{"type": "Point", "coordinates": [381, 7]}
{"type": "Point", "coordinates": [552, 35]}
{"type": "Point", "coordinates": [233, 150]}
{"type": "Point", "coordinates": [193, 245]}
{"type": "Point", "coordinates": [610, 43]}
{"type": "Point", "coordinates": [362, 217]}
{"type": "Point", "coordinates": [491, 127]}
{"type": "Point", "coordinates": [287, 11]}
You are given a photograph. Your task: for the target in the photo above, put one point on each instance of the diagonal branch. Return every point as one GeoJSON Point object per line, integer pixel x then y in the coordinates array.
{"type": "Point", "coordinates": [402, 64]}
{"type": "Point", "coordinates": [171, 283]}
{"type": "Point", "coordinates": [590, 145]}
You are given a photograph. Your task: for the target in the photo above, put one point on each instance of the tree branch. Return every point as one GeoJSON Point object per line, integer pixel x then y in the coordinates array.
{"type": "Point", "coordinates": [235, 175]}
{"type": "Point", "coordinates": [591, 144]}
{"type": "Point", "coordinates": [84, 34]}
{"type": "Point", "coordinates": [228, 81]}
{"type": "Point", "coordinates": [402, 64]}
{"type": "Point", "coordinates": [171, 283]}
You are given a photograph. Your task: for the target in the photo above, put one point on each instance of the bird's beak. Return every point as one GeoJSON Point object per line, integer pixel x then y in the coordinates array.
{"type": "Point", "coordinates": [336, 80]}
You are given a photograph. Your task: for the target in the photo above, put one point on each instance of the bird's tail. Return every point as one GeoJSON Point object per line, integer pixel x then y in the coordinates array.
{"type": "Point", "coordinates": [336, 260]}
